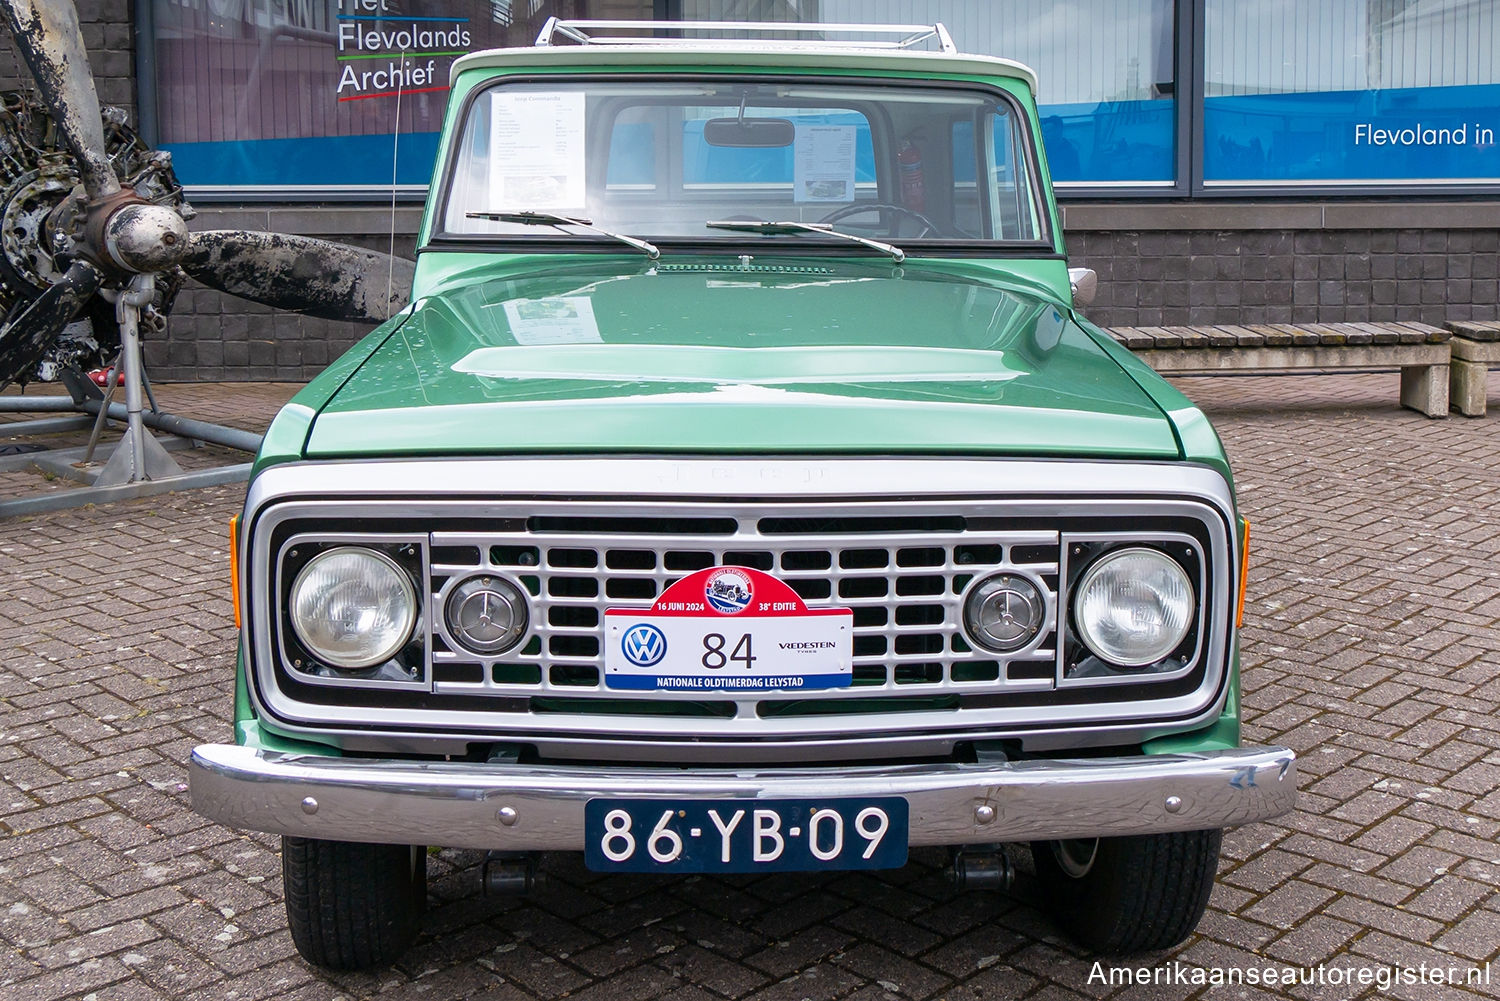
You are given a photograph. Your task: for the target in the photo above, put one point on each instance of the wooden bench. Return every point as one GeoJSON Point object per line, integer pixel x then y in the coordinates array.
{"type": "Point", "coordinates": [1476, 346]}
{"type": "Point", "coordinates": [1421, 352]}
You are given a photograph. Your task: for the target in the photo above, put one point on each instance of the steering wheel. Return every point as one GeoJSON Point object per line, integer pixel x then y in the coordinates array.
{"type": "Point", "coordinates": [928, 226]}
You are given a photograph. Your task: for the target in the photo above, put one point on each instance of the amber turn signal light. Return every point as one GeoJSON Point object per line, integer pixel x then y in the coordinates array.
{"type": "Point", "coordinates": [234, 566]}
{"type": "Point", "coordinates": [1239, 617]}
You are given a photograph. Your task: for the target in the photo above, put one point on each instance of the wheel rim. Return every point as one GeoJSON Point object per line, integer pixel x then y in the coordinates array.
{"type": "Point", "coordinates": [1076, 857]}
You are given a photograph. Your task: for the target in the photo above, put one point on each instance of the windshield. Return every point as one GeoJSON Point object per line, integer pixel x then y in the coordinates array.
{"type": "Point", "coordinates": [663, 160]}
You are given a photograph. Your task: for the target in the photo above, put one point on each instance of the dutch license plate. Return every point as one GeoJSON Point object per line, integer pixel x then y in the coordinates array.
{"type": "Point", "coordinates": [745, 835]}
{"type": "Point", "coordinates": [728, 629]}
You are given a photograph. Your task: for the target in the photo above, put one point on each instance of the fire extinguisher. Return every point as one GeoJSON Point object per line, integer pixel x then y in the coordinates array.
{"type": "Point", "coordinates": [913, 191]}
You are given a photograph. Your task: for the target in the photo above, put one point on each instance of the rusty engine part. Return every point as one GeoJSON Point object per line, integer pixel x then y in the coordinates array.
{"type": "Point", "coordinates": [39, 213]}
{"type": "Point", "coordinates": [87, 206]}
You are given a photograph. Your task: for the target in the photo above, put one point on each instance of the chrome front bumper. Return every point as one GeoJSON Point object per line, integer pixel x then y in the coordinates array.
{"type": "Point", "coordinates": [529, 807]}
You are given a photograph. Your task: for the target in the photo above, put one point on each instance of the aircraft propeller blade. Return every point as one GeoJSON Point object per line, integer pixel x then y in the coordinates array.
{"type": "Point", "coordinates": [301, 274]}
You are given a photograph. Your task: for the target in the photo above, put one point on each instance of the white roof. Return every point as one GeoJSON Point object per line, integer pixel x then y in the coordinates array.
{"type": "Point", "coordinates": [765, 55]}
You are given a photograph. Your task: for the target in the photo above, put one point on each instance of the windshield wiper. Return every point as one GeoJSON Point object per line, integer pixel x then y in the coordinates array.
{"type": "Point", "coordinates": [552, 219]}
{"type": "Point", "coordinates": [771, 228]}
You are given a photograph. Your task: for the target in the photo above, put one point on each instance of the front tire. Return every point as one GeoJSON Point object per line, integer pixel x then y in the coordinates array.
{"type": "Point", "coordinates": [352, 906]}
{"type": "Point", "coordinates": [1125, 895]}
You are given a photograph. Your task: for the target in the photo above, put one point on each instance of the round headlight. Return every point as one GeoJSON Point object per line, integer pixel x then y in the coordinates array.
{"type": "Point", "coordinates": [487, 614]}
{"type": "Point", "coordinates": [1004, 613]}
{"type": "Point", "coordinates": [1133, 606]}
{"type": "Point", "coordinates": [353, 607]}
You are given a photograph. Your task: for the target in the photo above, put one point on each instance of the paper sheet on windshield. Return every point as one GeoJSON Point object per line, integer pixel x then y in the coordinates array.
{"type": "Point", "coordinates": [823, 163]}
{"type": "Point", "coordinates": [536, 151]}
{"type": "Point", "coordinates": [556, 320]}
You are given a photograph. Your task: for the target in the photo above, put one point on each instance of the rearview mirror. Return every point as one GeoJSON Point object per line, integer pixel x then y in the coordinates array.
{"type": "Point", "coordinates": [761, 133]}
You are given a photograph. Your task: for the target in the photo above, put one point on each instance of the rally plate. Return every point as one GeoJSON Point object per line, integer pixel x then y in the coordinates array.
{"type": "Point", "coordinates": [728, 629]}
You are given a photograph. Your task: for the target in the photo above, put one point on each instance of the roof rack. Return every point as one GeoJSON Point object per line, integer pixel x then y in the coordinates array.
{"type": "Point", "coordinates": [580, 32]}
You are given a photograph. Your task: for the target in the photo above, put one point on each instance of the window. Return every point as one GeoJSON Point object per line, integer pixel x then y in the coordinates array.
{"type": "Point", "coordinates": [871, 159]}
{"type": "Point", "coordinates": [310, 95]}
{"type": "Point", "coordinates": [1011, 203]}
{"type": "Point", "coordinates": [1299, 92]}
{"type": "Point", "coordinates": [1137, 98]}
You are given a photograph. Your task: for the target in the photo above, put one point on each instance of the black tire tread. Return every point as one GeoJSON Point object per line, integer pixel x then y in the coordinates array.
{"type": "Point", "coordinates": [1144, 893]}
{"type": "Point", "coordinates": [352, 906]}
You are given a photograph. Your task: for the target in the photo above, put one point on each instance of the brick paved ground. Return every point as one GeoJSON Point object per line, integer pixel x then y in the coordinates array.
{"type": "Point", "coordinates": [1370, 648]}
{"type": "Point", "coordinates": [246, 405]}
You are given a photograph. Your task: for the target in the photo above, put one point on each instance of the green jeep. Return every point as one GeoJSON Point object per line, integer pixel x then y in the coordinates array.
{"type": "Point", "coordinates": [741, 491]}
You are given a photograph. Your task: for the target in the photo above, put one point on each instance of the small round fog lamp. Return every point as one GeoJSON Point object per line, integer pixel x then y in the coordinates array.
{"type": "Point", "coordinates": [487, 615]}
{"type": "Point", "coordinates": [1004, 613]}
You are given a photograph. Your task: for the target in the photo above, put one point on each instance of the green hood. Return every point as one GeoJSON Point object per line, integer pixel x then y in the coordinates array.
{"type": "Point", "coordinates": [713, 356]}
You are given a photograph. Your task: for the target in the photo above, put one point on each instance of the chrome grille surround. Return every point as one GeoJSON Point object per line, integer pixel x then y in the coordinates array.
{"type": "Point", "coordinates": [305, 499]}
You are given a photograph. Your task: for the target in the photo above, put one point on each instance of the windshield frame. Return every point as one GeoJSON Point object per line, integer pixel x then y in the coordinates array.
{"type": "Point", "coordinates": [442, 240]}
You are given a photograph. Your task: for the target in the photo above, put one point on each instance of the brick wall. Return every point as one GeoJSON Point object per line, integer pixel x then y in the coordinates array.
{"type": "Point", "coordinates": [110, 38]}
{"type": "Point", "coordinates": [1281, 276]}
{"type": "Point", "coordinates": [214, 338]}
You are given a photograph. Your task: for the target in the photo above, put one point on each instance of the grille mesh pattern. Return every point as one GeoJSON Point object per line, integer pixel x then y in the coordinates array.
{"type": "Point", "coordinates": [905, 588]}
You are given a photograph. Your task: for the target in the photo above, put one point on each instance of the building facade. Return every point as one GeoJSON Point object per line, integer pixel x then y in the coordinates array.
{"type": "Point", "coordinates": [1218, 162]}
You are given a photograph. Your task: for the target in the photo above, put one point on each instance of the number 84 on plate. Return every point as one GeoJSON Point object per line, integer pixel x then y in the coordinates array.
{"type": "Point", "coordinates": [747, 835]}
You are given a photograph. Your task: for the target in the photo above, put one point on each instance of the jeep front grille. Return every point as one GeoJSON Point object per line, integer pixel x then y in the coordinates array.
{"type": "Point", "coordinates": [903, 577]}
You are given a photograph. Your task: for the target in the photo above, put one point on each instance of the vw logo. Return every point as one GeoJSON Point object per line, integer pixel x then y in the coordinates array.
{"type": "Point", "coordinates": [644, 645]}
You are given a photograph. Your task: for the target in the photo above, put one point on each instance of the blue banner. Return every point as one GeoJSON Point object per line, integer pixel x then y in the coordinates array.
{"type": "Point", "coordinates": [1108, 141]}
{"type": "Point", "coordinates": [699, 682]}
{"type": "Point", "coordinates": [1408, 134]}
{"type": "Point", "coordinates": [361, 161]}
{"type": "Point", "coordinates": [1405, 134]}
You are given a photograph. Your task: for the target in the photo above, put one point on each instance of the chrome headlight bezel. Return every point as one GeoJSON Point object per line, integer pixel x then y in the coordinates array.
{"type": "Point", "coordinates": [407, 625]}
{"type": "Point", "coordinates": [1166, 651]}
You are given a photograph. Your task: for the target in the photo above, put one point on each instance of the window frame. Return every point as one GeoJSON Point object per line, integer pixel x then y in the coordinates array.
{"type": "Point", "coordinates": [1211, 190]}
{"type": "Point", "coordinates": [1186, 96]}
{"type": "Point", "coordinates": [437, 239]}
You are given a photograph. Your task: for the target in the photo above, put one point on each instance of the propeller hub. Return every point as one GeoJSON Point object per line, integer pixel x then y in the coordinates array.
{"type": "Point", "coordinates": [145, 238]}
